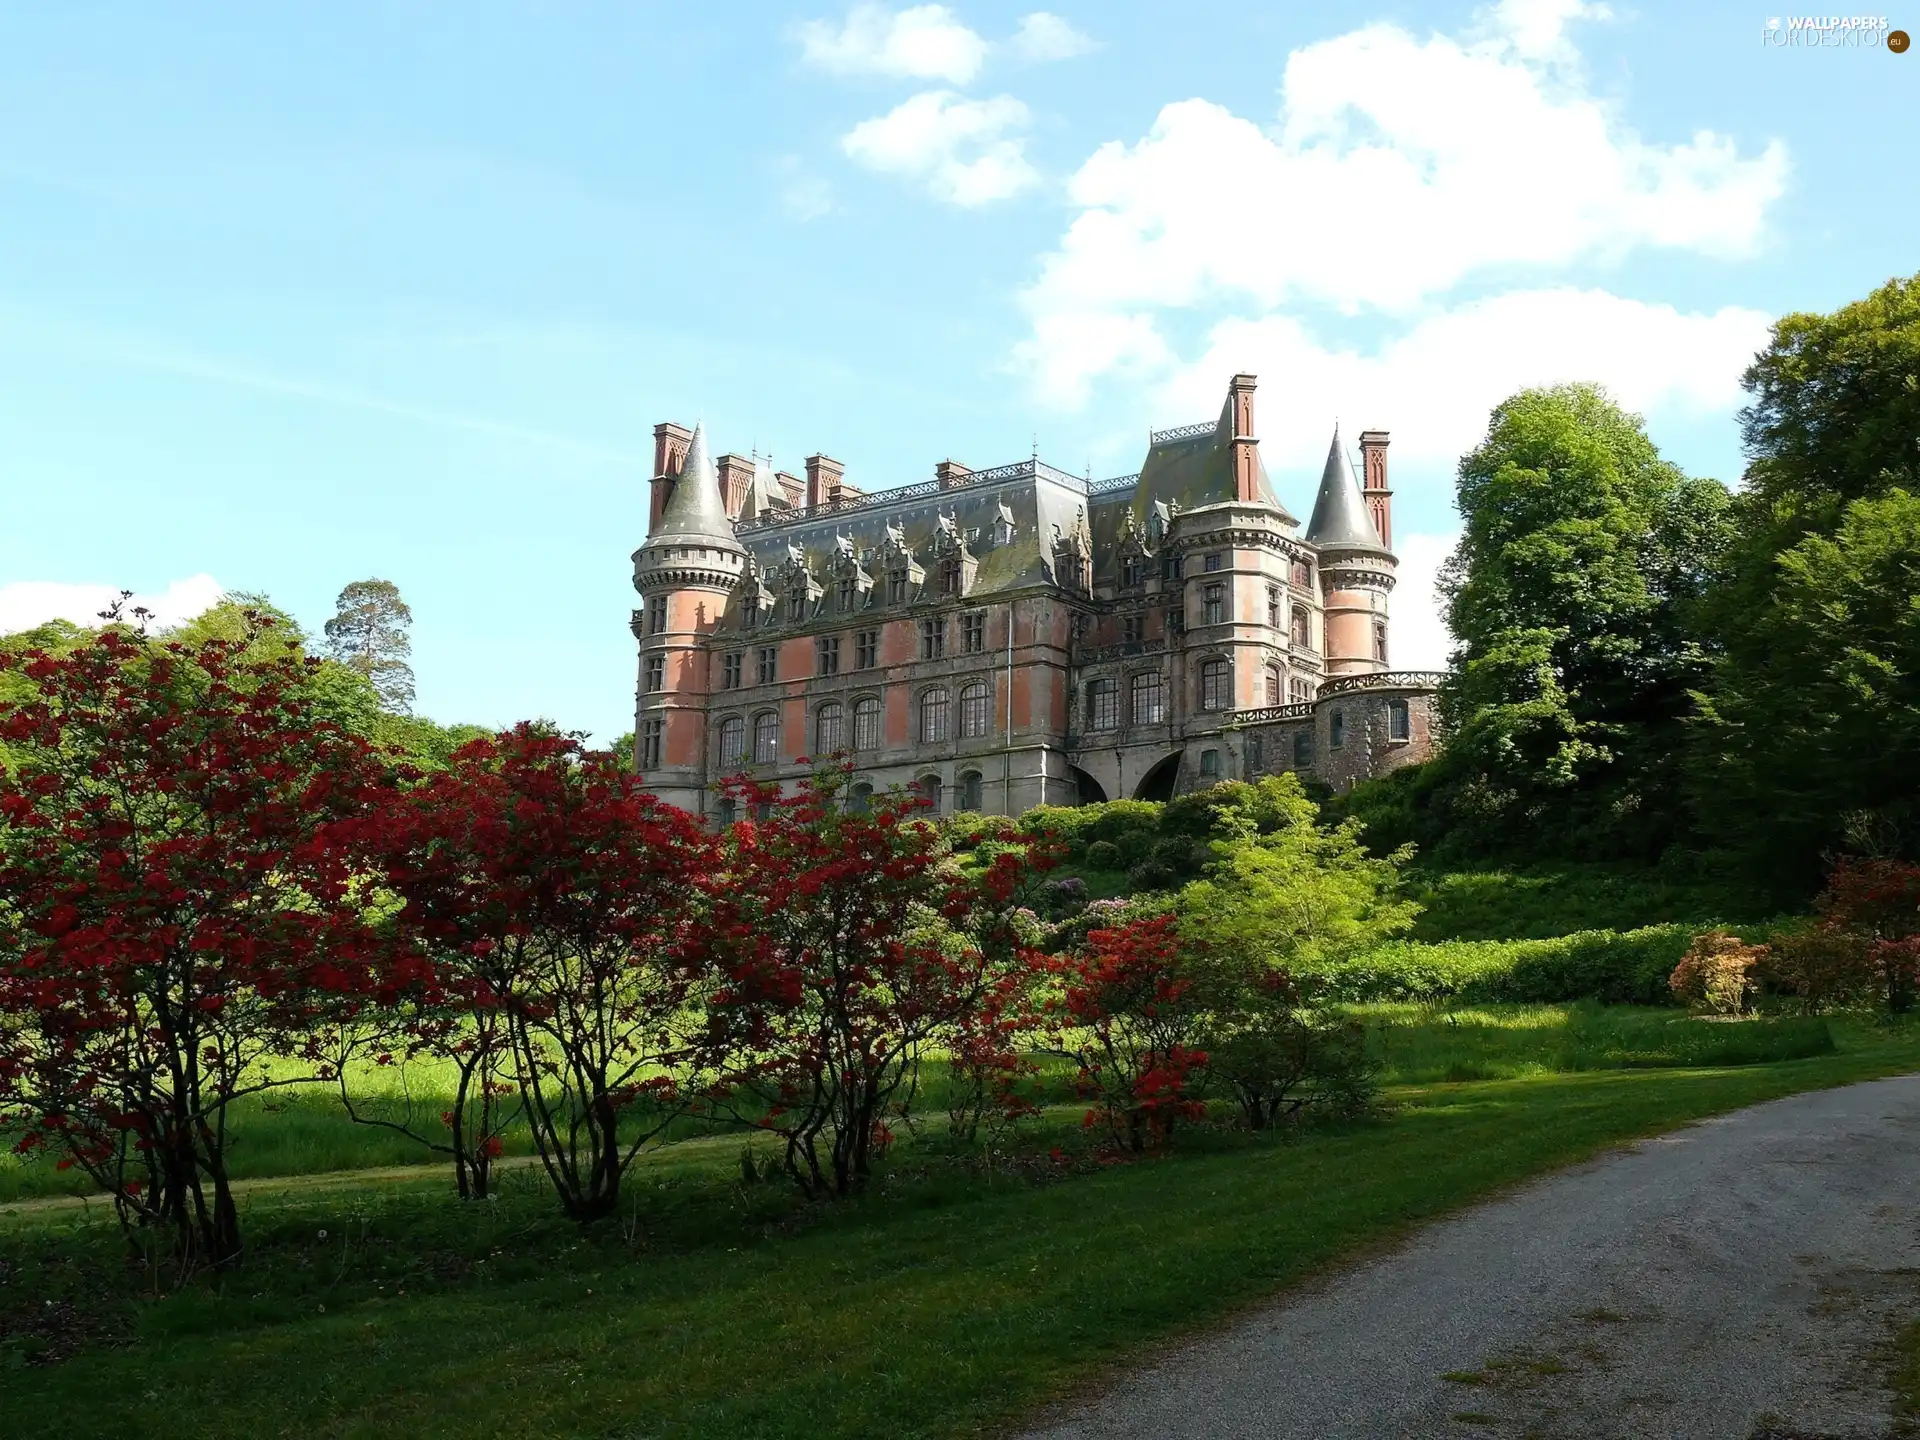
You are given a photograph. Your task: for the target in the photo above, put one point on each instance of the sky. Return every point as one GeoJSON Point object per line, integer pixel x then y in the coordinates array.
{"type": "Point", "coordinates": [292, 296]}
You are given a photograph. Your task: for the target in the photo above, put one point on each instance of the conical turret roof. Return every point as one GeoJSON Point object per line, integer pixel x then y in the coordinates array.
{"type": "Point", "coordinates": [1339, 513]}
{"type": "Point", "coordinates": [696, 513]}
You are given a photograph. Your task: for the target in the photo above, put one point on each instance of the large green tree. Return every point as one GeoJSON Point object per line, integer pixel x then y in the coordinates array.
{"type": "Point", "coordinates": [369, 633]}
{"type": "Point", "coordinates": [1571, 597]}
{"type": "Point", "coordinates": [1810, 731]}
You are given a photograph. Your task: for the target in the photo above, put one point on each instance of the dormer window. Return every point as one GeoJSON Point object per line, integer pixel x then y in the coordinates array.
{"type": "Point", "coordinates": [848, 590]}
{"type": "Point", "coordinates": [950, 576]}
{"type": "Point", "coordinates": [896, 587]}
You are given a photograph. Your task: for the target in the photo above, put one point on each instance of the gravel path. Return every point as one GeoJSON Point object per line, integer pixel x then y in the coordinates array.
{"type": "Point", "coordinates": [1730, 1281]}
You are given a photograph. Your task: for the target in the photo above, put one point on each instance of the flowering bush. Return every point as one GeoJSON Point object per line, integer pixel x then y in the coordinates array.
{"type": "Point", "coordinates": [1875, 903]}
{"type": "Point", "coordinates": [1717, 974]}
{"type": "Point", "coordinates": [1128, 1017]}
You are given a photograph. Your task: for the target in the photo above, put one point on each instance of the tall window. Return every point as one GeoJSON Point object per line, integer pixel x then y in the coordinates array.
{"type": "Point", "coordinates": [730, 671]}
{"type": "Point", "coordinates": [933, 639]}
{"type": "Point", "coordinates": [1302, 575]}
{"type": "Point", "coordinates": [1337, 729]}
{"type": "Point", "coordinates": [933, 716]}
{"type": "Point", "coordinates": [1273, 684]}
{"type": "Point", "coordinates": [797, 606]}
{"type": "Point", "coordinates": [848, 593]}
{"type": "Point", "coordinates": [1103, 705]}
{"type": "Point", "coordinates": [1130, 571]}
{"type": "Point", "coordinates": [1256, 755]}
{"type": "Point", "coordinates": [1170, 567]}
{"type": "Point", "coordinates": [1213, 685]}
{"type": "Point", "coordinates": [766, 738]}
{"type": "Point", "coordinates": [1380, 641]}
{"type": "Point", "coordinates": [973, 630]}
{"type": "Point", "coordinates": [657, 615]}
{"type": "Point", "coordinates": [1132, 629]}
{"type": "Point", "coordinates": [767, 666]}
{"type": "Point", "coordinates": [726, 812]}
{"type": "Point", "coordinates": [866, 724]}
{"type": "Point", "coordinates": [1148, 706]}
{"type": "Point", "coordinates": [827, 653]}
{"type": "Point", "coordinates": [656, 673]}
{"type": "Point", "coordinates": [1273, 606]}
{"type": "Point", "coordinates": [973, 791]}
{"type": "Point", "coordinates": [733, 740]}
{"type": "Point", "coordinates": [976, 710]}
{"type": "Point", "coordinates": [1297, 632]}
{"type": "Point", "coordinates": [950, 577]}
{"type": "Point", "coordinates": [650, 744]}
{"type": "Point", "coordinates": [830, 729]}
{"type": "Point", "coordinates": [1303, 749]}
{"type": "Point", "coordinates": [1399, 725]}
{"type": "Point", "coordinates": [1299, 690]}
{"type": "Point", "coordinates": [929, 788]}
{"type": "Point", "coordinates": [866, 649]}
{"type": "Point", "coordinates": [1209, 764]}
{"type": "Point", "coordinates": [860, 799]}
{"type": "Point", "coordinates": [1215, 601]}
{"type": "Point", "coordinates": [896, 587]}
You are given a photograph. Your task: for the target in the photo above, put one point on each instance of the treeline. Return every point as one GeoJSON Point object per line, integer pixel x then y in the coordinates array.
{"type": "Point", "coordinates": [1653, 666]}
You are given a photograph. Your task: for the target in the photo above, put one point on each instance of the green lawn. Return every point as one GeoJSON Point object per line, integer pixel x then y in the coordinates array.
{"type": "Point", "coordinates": [945, 1303]}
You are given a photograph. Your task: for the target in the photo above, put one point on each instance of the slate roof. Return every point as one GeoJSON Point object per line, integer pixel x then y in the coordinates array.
{"type": "Point", "coordinates": [1340, 515]}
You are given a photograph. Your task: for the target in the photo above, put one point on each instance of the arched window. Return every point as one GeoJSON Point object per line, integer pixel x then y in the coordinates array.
{"type": "Point", "coordinates": [725, 813]}
{"type": "Point", "coordinates": [733, 740]}
{"type": "Point", "coordinates": [1398, 721]}
{"type": "Point", "coordinates": [1149, 706]}
{"type": "Point", "coordinates": [1103, 705]}
{"type": "Point", "coordinates": [929, 789]}
{"type": "Point", "coordinates": [866, 724]}
{"type": "Point", "coordinates": [933, 716]}
{"type": "Point", "coordinates": [860, 799]}
{"type": "Point", "coordinates": [766, 737]}
{"type": "Point", "coordinates": [1337, 729]}
{"type": "Point", "coordinates": [1299, 634]}
{"type": "Point", "coordinates": [830, 729]}
{"type": "Point", "coordinates": [1273, 685]}
{"type": "Point", "coordinates": [1215, 692]}
{"type": "Point", "coordinates": [976, 711]}
{"type": "Point", "coordinates": [973, 791]}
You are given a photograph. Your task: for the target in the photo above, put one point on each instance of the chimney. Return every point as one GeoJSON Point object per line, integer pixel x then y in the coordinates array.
{"type": "Point", "coordinates": [1373, 484]}
{"type": "Point", "coordinates": [949, 473]}
{"type": "Point", "coordinates": [1246, 457]}
{"type": "Point", "coordinates": [669, 453]}
{"type": "Point", "coordinates": [736, 474]}
{"type": "Point", "coordinates": [823, 480]}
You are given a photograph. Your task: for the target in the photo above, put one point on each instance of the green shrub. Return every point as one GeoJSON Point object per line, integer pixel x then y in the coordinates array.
{"type": "Point", "coordinates": [1116, 820]}
{"type": "Point", "coordinates": [1613, 966]}
{"type": "Point", "coordinates": [1104, 855]}
{"type": "Point", "coordinates": [1150, 874]}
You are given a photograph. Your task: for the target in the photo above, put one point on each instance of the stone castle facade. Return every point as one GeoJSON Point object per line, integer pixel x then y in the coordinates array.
{"type": "Point", "coordinates": [1019, 636]}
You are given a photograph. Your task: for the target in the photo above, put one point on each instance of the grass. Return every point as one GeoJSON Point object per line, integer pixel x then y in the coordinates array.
{"type": "Point", "coordinates": [1904, 1378]}
{"type": "Point", "coordinates": [947, 1301]}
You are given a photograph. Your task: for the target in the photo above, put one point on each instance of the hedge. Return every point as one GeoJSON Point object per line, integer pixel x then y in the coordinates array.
{"type": "Point", "coordinates": [1613, 966]}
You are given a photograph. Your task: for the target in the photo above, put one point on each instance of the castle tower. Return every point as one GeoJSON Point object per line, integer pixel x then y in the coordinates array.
{"type": "Point", "coordinates": [1356, 567]}
{"type": "Point", "coordinates": [684, 573]}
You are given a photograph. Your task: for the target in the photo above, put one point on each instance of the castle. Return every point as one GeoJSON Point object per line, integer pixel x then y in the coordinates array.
{"type": "Point", "coordinates": [1019, 636]}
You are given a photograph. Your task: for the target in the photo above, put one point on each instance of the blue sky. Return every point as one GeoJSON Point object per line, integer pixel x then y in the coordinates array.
{"type": "Point", "coordinates": [291, 296]}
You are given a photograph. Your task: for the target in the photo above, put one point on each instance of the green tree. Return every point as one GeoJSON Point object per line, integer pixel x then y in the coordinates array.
{"type": "Point", "coordinates": [1572, 596]}
{"type": "Point", "coordinates": [368, 633]}
{"type": "Point", "coordinates": [1812, 716]}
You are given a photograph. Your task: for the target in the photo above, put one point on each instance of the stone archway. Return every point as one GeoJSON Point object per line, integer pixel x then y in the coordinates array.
{"type": "Point", "coordinates": [1158, 783]}
{"type": "Point", "coordinates": [1087, 790]}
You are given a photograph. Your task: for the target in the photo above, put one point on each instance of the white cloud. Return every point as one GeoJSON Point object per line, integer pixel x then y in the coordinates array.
{"type": "Point", "coordinates": [1420, 638]}
{"type": "Point", "coordinates": [960, 149]}
{"type": "Point", "coordinates": [925, 42]}
{"type": "Point", "coordinates": [1043, 36]}
{"type": "Point", "coordinates": [27, 603]}
{"type": "Point", "coordinates": [1399, 168]}
{"type": "Point", "coordinates": [1435, 383]}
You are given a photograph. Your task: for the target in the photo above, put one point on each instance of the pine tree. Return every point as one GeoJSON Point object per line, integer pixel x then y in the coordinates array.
{"type": "Point", "coordinates": [368, 633]}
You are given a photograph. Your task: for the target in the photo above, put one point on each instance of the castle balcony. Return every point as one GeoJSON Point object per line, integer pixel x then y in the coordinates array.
{"type": "Point", "coordinates": [1124, 650]}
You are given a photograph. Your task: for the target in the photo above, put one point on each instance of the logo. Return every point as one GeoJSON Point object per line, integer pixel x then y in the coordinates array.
{"type": "Point", "coordinates": [1831, 32]}
{"type": "Point", "coordinates": [1898, 42]}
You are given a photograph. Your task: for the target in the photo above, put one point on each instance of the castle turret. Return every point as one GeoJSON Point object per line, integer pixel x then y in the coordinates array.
{"type": "Point", "coordinates": [1356, 569]}
{"type": "Point", "coordinates": [684, 573]}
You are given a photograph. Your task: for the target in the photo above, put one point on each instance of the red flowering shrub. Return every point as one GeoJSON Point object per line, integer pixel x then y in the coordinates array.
{"type": "Point", "coordinates": [1875, 904]}
{"type": "Point", "coordinates": [172, 914]}
{"type": "Point", "coordinates": [1718, 974]}
{"type": "Point", "coordinates": [562, 909]}
{"type": "Point", "coordinates": [858, 949]}
{"type": "Point", "coordinates": [1128, 1017]}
